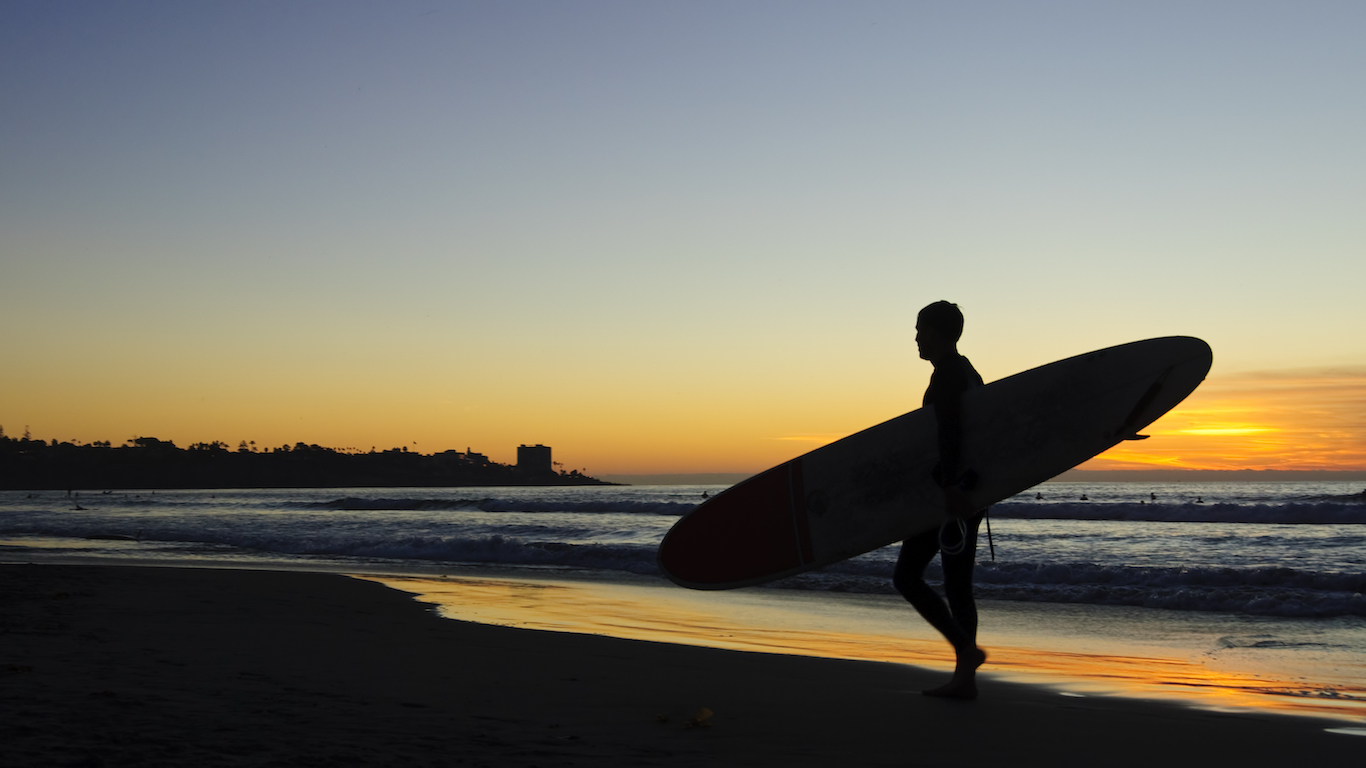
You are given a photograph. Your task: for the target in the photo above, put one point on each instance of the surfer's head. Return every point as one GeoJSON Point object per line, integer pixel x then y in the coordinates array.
{"type": "Point", "coordinates": [937, 330]}
{"type": "Point", "coordinates": [943, 317]}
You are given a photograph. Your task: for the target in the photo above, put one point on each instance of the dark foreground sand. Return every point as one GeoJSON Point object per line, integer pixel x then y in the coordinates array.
{"type": "Point", "coordinates": [118, 666]}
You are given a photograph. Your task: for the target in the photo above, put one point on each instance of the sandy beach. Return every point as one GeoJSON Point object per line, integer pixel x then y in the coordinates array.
{"type": "Point", "coordinates": [127, 666]}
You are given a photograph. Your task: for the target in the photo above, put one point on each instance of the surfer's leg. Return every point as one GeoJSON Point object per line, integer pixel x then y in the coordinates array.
{"type": "Point", "coordinates": [958, 582]}
{"type": "Point", "coordinates": [958, 588]}
{"type": "Point", "coordinates": [909, 580]}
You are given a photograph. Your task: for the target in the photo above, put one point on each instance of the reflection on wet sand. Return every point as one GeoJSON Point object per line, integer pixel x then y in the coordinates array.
{"type": "Point", "coordinates": [748, 621]}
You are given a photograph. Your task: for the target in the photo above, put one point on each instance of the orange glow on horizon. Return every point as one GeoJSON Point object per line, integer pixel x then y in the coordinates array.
{"type": "Point", "coordinates": [1305, 420]}
{"type": "Point", "coordinates": [1227, 430]}
{"type": "Point", "coordinates": [1310, 419]}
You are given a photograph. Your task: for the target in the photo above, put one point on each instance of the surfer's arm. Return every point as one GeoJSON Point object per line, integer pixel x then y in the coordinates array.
{"type": "Point", "coordinates": [949, 473]}
{"type": "Point", "coordinates": [946, 394]}
{"type": "Point", "coordinates": [949, 414]}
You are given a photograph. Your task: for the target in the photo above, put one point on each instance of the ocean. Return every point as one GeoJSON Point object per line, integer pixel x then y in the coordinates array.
{"type": "Point", "coordinates": [1263, 583]}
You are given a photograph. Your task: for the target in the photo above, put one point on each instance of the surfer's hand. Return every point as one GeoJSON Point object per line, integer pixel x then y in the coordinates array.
{"type": "Point", "coordinates": [956, 502]}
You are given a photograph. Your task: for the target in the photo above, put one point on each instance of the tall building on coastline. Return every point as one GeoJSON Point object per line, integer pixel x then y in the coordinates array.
{"type": "Point", "coordinates": [534, 459]}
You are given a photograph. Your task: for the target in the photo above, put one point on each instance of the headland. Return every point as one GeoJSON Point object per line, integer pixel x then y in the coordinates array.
{"type": "Point", "coordinates": [148, 462]}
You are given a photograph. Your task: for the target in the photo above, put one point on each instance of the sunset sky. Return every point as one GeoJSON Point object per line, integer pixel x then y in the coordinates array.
{"type": "Point", "coordinates": [672, 236]}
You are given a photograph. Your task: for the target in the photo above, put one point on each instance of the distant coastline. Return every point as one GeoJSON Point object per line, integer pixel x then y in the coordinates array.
{"type": "Point", "coordinates": [27, 464]}
{"type": "Point", "coordinates": [147, 463]}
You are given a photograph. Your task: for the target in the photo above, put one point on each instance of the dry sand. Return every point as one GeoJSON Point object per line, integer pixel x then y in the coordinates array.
{"type": "Point", "coordinates": [123, 666]}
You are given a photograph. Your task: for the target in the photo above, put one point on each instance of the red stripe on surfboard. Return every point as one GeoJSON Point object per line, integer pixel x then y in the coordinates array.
{"type": "Point", "coordinates": [746, 532]}
{"type": "Point", "coordinates": [798, 502]}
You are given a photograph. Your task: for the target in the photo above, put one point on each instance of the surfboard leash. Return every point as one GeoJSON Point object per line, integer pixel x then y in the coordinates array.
{"type": "Point", "coordinates": [959, 527]}
{"type": "Point", "coordinates": [955, 526]}
{"type": "Point", "coordinates": [987, 514]}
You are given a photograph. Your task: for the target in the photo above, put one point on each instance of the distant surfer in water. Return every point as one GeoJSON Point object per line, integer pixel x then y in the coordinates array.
{"type": "Point", "coordinates": [937, 330]}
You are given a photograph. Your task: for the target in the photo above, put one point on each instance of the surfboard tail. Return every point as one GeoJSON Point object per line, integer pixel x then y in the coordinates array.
{"type": "Point", "coordinates": [744, 535]}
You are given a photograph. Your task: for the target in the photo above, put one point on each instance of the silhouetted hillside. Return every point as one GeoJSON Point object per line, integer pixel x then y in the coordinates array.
{"type": "Point", "coordinates": [146, 462]}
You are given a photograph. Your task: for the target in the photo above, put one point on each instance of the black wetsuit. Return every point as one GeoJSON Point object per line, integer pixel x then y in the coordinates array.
{"type": "Point", "coordinates": [947, 385]}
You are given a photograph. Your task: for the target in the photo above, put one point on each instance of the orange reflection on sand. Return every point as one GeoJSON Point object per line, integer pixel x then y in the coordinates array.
{"type": "Point", "coordinates": [1175, 678]}
{"type": "Point", "coordinates": [628, 613]}
{"type": "Point", "coordinates": [690, 618]}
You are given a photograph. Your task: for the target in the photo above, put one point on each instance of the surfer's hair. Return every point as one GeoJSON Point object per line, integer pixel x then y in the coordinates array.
{"type": "Point", "coordinates": [944, 317]}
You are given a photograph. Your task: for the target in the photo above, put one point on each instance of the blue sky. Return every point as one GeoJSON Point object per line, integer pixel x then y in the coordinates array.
{"type": "Point", "coordinates": [695, 226]}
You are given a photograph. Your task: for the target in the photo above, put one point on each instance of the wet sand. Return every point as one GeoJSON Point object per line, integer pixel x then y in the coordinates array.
{"type": "Point", "coordinates": [124, 666]}
{"type": "Point", "coordinates": [1076, 650]}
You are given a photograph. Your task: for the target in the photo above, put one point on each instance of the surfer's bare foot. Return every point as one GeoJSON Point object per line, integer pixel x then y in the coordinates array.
{"type": "Point", "coordinates": [964, 682]}
{"type": "Point", "coordinates": [969, 661]}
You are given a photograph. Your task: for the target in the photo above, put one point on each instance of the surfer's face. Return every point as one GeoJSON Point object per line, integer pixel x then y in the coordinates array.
{"type": "Point", "coordinates": [930, 343]}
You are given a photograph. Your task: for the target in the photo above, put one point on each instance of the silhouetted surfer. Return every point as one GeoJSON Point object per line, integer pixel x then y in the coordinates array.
{"type": "Point", "coordinates": [937, 330]}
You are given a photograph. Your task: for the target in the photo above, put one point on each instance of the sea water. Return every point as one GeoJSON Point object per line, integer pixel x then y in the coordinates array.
{"type": "Point", "coordinates": [1261, 581]}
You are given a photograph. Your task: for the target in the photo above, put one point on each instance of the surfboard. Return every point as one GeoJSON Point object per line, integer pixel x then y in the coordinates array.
{"type": "Point", "coordinates": [875, 488]}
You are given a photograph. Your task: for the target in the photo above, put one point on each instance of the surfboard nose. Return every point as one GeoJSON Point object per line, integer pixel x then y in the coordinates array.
{"type": "Point", "coordinates": [1193, 350]}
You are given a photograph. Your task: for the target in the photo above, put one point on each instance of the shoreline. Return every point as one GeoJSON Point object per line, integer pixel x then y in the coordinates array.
{"type": "Point", "coordinates": [1214, 660]}
{"type": "Point", "coordinates": [124, 665]}
{"type": "Point", "coordinates": [1195, 660]}
{"type": "Point", "coordinates": [1312, 667]}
